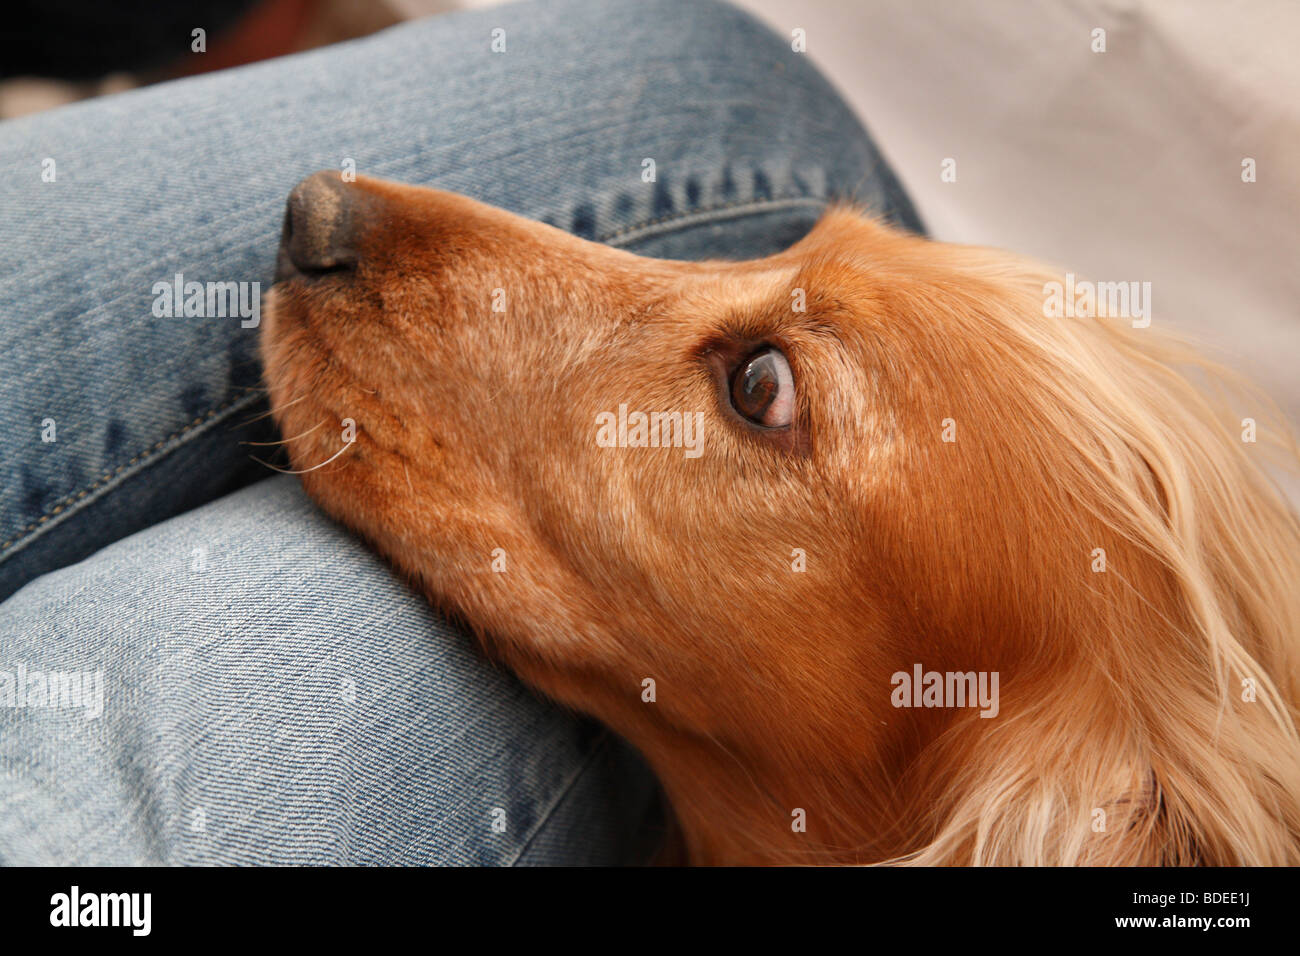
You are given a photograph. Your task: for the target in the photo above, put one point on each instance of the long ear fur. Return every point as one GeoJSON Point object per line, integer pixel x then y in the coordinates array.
{"type": "Point", "coordinates": [1172, 739]}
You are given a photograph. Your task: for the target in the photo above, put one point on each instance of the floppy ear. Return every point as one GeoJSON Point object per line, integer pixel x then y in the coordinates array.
{"type": "Point", "coordinates": [1165, 731]}
{"type": "Point", "coordinates": [1168, 740]}
{"type": "Point", "coordinates": [1209, 643]}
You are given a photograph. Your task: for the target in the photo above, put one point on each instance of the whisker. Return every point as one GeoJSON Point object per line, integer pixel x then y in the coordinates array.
{"type": "Point", "coordinates": [302, 471]}
{"type": "Point", "coordinates": [285, 441]}
{"type": "Point", "coordinates": [264, 414]}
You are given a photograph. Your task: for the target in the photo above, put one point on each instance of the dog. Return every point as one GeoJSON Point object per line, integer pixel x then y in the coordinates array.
{"type": "Point", "coordinates": [903, 470]}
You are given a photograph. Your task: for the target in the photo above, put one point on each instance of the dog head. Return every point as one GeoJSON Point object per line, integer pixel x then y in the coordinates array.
{"type": "Point", "coordinates": [723, 506]}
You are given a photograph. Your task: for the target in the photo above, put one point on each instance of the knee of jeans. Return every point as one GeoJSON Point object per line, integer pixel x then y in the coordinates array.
{"type": "Point", "coordinates": [726, 113]}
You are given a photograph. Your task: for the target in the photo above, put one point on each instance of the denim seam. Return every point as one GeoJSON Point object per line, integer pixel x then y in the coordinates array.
{"type": "Point", "coordinates": [735, 208]}
{"type": "Point", "coordinates": [72, 503]}
{"type": "Point", "coordinates": [601, 746]}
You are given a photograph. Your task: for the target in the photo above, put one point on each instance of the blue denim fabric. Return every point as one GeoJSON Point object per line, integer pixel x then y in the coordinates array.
{"type": "Point", "coordinates": [222, 685]}
{"type": "Point", "coordinates": [273, 694]}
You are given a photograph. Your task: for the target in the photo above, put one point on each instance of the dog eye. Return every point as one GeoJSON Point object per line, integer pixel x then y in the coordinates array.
{"type": "Point", "coordinates": [762, 389]}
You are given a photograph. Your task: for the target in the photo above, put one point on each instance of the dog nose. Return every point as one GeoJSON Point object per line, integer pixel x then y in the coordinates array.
{"type": "Point", "coordinates": [321, 224]}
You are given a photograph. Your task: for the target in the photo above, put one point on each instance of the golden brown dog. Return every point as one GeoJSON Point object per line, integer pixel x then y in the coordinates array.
{"type": "Point", "coordinates": [902, 466]}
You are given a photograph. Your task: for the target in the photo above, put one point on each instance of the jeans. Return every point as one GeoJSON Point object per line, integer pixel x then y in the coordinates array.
{"type": "Point", "coordinates": [268, 691]}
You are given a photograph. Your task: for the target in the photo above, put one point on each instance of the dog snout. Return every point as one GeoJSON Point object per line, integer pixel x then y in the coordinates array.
{"type": "Point", "coordinates": [323, 222]}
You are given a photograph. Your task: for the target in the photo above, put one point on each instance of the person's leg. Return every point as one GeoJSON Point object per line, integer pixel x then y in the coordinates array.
{"type": "Point", "coordinates": [246, 683]}
{"type": "Point", "coordinates": [118, 417]}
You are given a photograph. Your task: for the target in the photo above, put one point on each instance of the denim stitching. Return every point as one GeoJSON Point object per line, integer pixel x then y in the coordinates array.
{"type": "Point", "coordinates": [601, 746]}
{"type": "Point", "coordinates": [740, 206]}
{"type": "Point", "coordinates": [68, 504]}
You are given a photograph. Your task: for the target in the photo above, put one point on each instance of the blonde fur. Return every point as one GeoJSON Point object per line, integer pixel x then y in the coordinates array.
{"type": "Point", "coordinates": [1148, 710]}
{"type": "Point", "coordinates": [1199, 774]}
